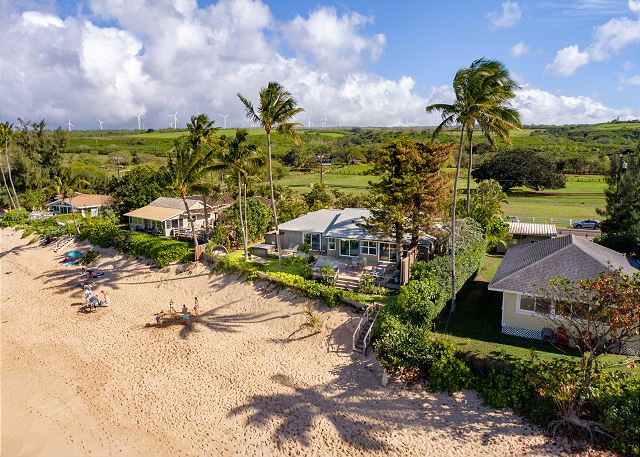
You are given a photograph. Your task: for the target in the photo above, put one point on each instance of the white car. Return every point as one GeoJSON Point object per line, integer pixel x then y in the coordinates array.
{"type": "Point", "coordinates": [512, 219]}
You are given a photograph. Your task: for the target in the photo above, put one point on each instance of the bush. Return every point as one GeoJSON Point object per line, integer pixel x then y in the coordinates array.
{"type": "Point", "coordinates": [420, 301]}
{"type": "Point", "coordinates": [445, 372]}
{"type": "Point", "coordinates": [618, 407]}
{"type": "Point", "coordinates": [89, 257]}
{"type": "Point", "coordinates": [401, 347]}
{"type": "Point", "coordinates": [14, 217]}
{"type": "Point", "coordinates": [503, 389]}
{"type": "Point", "coordinates": [367, 285]}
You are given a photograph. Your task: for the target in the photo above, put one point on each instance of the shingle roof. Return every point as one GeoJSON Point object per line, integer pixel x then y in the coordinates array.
{"type": "Point", "coordinates": [85, 200]}
{"type": "Point", "coordinates": [174, 202]}
{"type": "Point", "coordinates": [155, 213]}
{"type": "Point", "coordinates": [315, 221]}
{"type": "Point", "coordinates": [528, 268]}
{"type": "Point", "coordinates": [532, 229]}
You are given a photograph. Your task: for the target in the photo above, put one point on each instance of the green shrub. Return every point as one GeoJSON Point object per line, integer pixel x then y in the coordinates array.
{"type": "Point", "coordinates": [103, 232]}
{"type": "Point", "coordinates": [161, 250]}
{"type": "Point", "coordinates": [421, 301]}
{"type": "Point", "coordinates": [400, 346]}
{"type": "Point", "coordinates": [421, 270]}
{"type": "Point", "coordinates": [617, 407]}
{"type": "Point", "coordinates": [305, 271]}
{"type": "Point", "coordinates": [503, 389]}
{"type": "Point", "coordinates": [14, 217]}
{"type": "Point", "coordinates": [367, 285]}
{"type": "Point", "coordinates": [449, 375]}
{"type": "Point", "coordinates": [89, 257]}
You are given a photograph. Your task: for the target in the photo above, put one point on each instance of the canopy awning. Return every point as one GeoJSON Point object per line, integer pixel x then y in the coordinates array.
{"type": "Point", "coordinates": [155, 213]}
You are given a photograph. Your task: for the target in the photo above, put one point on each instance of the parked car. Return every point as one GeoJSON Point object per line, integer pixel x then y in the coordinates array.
{"type": "Point", "coordinates": [512, 219]}
{"type": "Point", "coordinates": [587, 224]}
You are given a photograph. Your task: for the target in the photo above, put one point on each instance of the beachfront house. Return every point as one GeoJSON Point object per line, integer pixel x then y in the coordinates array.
{"type": "Point", "coordinates": [85, 204]}
{"type": "Point", "coordinates": [341, 234]}
{"type": "Point", "coordinates": [168, 216]}
{"type": "Point", "coordinates": [527, 269]}
{"type": "Point", "coordinates": [525, 233]}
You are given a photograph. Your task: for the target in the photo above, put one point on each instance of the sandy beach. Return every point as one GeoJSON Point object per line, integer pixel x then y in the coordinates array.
{"type": "Point", "coordinates": [109, 384]}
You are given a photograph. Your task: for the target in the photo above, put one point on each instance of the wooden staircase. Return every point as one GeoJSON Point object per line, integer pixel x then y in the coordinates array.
{"type": "Point", "coordinates": [346, 282]}
{"type": "Point", "coordinates": [364, 331]}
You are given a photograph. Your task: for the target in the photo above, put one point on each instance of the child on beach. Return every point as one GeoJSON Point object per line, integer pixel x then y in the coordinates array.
{"type": "Point", "coordinates": [106, 300]}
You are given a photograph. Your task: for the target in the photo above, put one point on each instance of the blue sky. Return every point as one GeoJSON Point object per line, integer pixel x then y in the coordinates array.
{"type": "Point", "coordinates": [577, 60]}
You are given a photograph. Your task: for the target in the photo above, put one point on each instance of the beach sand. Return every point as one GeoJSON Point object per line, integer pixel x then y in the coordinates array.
{"type": "Point", "coordinates": [107, 384]}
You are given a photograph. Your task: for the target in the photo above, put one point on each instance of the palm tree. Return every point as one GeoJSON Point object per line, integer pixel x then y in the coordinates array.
{"type": "Point", "coordinates": [66, 186]}
{"type": "Point", "coordinates": [277, 108]}
{"type": "Point", "coordinates": [202, 134]}
{"type": "Point", "coordinates": [239, 158]}
{"type": "Point", "coordinates": [482, 96]}
{"type": "Point", "coordinates": [6, 132]}
{"type": "Point", "coordinates": [183, 173]}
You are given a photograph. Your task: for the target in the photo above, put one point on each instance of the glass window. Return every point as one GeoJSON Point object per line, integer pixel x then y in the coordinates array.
{"type": "Point", "coordinates": [527, 303]}
{"type": "Point", "coordinates": [349, 248]}
{"type": "Point", "coordinates": [313, 239]}
{"type": "Point", "coordinates": [369, 248]}
{"type": "Point", "coordinates": [388, 253]}
{"type": "Point", "coordinates": [344, 247]}
{"type": "Point", "coordinates": [332, 244]}
{"type": "Point", "coordinates": [307, 238]}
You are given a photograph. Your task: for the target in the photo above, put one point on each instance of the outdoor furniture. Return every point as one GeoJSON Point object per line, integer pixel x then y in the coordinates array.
{"type": "Point", "coordinates": [548, 334]}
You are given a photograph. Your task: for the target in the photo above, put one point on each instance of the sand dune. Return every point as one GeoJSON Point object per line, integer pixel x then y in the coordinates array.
{"type": "Point", "coordinates": [106, 383]}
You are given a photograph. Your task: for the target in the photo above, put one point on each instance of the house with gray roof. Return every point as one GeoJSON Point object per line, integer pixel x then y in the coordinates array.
{"type": "Point", "coordinates": [527, 269]}
{"type": "Point", "coordinates": [339, 233]}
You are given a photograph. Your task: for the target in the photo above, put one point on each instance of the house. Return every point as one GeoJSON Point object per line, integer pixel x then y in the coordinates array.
{"type": "Point", "coordinates": [214, 206]}
{"type": "Point", "coordinates": [527, 269]}
{"type": "Point", "coordinates": [85, 204]}
{"type": "Point", "coordinates": [339, 233]}
{"type": "Point", "coordinates": [525, 233]}
{"type": "Point", "coordinates": [168, 216]}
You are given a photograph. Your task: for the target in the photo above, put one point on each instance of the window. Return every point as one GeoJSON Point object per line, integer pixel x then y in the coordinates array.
{"type": "Point", "coordinates": [349, 248]}
{"type": "Point", "coordinates": [314, 239]}
{"type": "Point", "coordinates": [388, 253]}
{"type": "Point", "coordinates": [175, 223]}
{"type": "Point", "coordinates": [533, 305]}
{"type": "Point", "coordinates": [369, 248]}
{"type": "Point", "coordinates": [332, 244]}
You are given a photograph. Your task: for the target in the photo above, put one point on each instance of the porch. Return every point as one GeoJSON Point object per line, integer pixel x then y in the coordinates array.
{"type": "Point", "coordinates": [347, 273]}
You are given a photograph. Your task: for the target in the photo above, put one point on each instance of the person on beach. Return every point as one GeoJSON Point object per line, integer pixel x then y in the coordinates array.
{"type": "Point", "coordinates": [106, 300]}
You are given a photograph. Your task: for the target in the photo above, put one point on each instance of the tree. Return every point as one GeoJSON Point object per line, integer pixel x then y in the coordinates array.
{"type": "Point", "coordinates": [600, 315]}
{"type": "Point", "coordinates": [482, 94]}
{"type": "Point", "coordinates": [239, 158]}
{"type": "Point", "coordinates": [319, 197]}
{"type": "Point", "coordinates": [277, 108]}
{"type": "Point", "coordinates": [136, 188]}
{"type": "Point", "coordinates": [621, 227]}
{"type": "Point", "coordinates": [6, 134]}
{"type": "Point", "coordinates": [411, 192]}
{"type": "Point", "coordinates": [66, 185]}
{"type": "Point", "coordinates": [520, 167]}
{"type": "Point", "coordinates": [184, 171]}
{"type": "Point", "coordinates": [486, 209]}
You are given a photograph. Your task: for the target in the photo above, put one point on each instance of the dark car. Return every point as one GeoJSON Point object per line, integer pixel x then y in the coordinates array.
{"type": "Point", "coordinates": [587, 224]}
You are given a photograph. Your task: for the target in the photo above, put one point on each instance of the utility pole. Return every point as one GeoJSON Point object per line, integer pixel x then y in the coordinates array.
{"type": "Point", "coordinates": [116, 160]}
{"type": "Point", "coordinates": [320, 157]}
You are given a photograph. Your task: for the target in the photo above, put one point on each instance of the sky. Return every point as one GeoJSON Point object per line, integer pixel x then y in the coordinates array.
{"type": "Point", "coordinates": [355, 63]}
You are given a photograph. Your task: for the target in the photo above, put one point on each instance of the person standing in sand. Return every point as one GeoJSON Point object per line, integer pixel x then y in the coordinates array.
{"type": "Point", "coordinates": [106, 301]}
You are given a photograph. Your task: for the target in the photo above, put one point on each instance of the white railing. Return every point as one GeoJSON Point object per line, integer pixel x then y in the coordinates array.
{"type": "Point", "coordinates": [559, 221]}
{"type": "Point", "coordinates": [356, 333]}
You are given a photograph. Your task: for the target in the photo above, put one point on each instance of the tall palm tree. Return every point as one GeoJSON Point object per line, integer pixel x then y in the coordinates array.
{"type": "Point", "coordinates": [482, 96]}
{"type": "Point", "coordinates": [183, 173]}
{"type": "Point", "coordinates": [277, 108]}
{"type": "Point", "coordinates": [202, 134]}
{"type": "Point", "coordinates": [6, 133]}
{"type": "Point", "coordinates": [66, 186]}
{"type": "Point", "coordinates": [239, 158]}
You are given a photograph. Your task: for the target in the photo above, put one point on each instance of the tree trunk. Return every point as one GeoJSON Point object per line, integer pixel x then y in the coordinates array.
{"type": "Point", "coordinates": [470, 135]}
{"type": "Point", "coordinates": [73, 213]}
{"type": "Point", "coordinates": [453, 224]}
{"type": "Point", "coordinates": [192, 224]}
{"type": "Point", "coordinates": [273, 200]}
{"type": "Point", "coordinates": [6, 186]}
{"type": "Point", "coordinates": [246, 218]}
{"type": "Point", "coordinates": [6, 153]}
{"type": "Point", "coordinates": [244, 233]}
{"type": "Point", "coordinates": [206, 216]}
{"type": "Point", "coordinates": [398, 230]}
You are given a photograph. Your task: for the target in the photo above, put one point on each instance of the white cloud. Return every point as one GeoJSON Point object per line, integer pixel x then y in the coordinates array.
{"type": "Point", "coordinates": [519, 49]}
{"type": "Point", "coordinates": [608, 39]}
{"type": "Point", "coordinates": [159, 56]}
{"type": "Point", "coordinates": [509, 16]}
{"type": "Point", "coordinates": [567, 61]}
{"type": "Point", "coordinates": [630, 81]}
{"type": "Point", "coordinates": [537, 106]}
{"type": "Point", "coordinates": [41, 19]}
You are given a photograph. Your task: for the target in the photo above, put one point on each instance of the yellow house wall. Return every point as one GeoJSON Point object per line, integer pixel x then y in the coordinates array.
{"type": "Point", "coordinates": [512, 317]}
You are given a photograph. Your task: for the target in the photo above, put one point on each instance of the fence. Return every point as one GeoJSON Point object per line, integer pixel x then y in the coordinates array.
{"type": "Point", "coordinates": [559, 221]}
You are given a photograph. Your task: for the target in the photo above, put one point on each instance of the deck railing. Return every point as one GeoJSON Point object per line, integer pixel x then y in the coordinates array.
{"type": "Point", "coordinates": [356, 332]}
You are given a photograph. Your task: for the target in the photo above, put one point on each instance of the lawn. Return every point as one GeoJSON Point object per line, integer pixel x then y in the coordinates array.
{"type": "Point", "coordinates": [476, 324]}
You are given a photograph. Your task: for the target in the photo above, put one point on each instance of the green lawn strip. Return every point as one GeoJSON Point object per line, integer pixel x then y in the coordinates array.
{"type": "Point", "coordinates": [476, 324]}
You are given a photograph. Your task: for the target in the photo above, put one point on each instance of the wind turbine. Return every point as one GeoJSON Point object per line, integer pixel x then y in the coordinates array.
{"type": "Point", "coordinates": [340, 121]}
{"type": "Point", "coordinates": [138, 116]}
{"type": "Point", "coordinates": [324, 121]}
{"type": "Point", "coordinates": [174, 124]}
{"type": "Point", "coordinates": [70, 124]}
{"type": "Point", "coordinates": [100, 122]}
{"type": "Point", "coordinates": [224, 116]}
{"type": "Point", "coordinates": [309, 122]}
